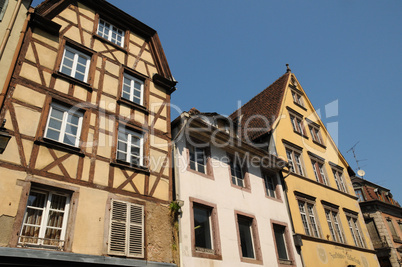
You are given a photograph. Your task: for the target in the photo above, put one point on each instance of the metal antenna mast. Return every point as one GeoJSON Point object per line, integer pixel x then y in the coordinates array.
{"type": "Point", "coordinates": [354, 154]}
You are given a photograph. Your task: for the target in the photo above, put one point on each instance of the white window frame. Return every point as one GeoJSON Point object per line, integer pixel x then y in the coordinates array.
{"type": "Point", "coordinates": [316, 134]}
{"type": "Point", "coordinates": [43, 224]}
{"type": "Point", "coordinates": [297, 124]}
{"type": "Point", "coordinates": [112, 30]}
{"type": "Point", "coordinates": [270, 182]}
{"type": "Point", "coordinates": [320, 172]}
{"type": "Point", "coordinates": [355, 230]}
{"type": "Point", "coordinates": [297, 98]}
{"type": "Point", "coordinates": [196, 151]}
{"type": "Point", "coordinates": [132, 97]}
{"type": "Point", "coordinates": [295, 160]}
{"type": "Point", "coordinates": [238, 181]}
{"type": "Point", "coordinates": [77, 54]}
{"type": "Point", "coordinates": [308, 216]}
{"type": "Point", "coordinates": [126, 216]}
{"type": "Point", "coordinates": [340, 182]}
{"type": "Point", "coordinates": [67, 111]}
{"type": "Point", "coordinates": [129, 144]}
{"type": "Point", "coordinates": [334, 225]}
{"type": "Point", "coordinates": [3, 8]}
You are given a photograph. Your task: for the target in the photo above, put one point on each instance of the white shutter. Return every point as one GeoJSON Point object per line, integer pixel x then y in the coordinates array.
{"type": "Point", "coordinates": [126, 236]}
{"type": "Point", "coordinates": [136, 231]}
{"type": "Point", "coordinates": [118, 228]}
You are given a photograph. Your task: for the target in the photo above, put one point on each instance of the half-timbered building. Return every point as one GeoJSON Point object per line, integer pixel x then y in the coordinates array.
{"type": "Point", "coordinates": [85, 177]}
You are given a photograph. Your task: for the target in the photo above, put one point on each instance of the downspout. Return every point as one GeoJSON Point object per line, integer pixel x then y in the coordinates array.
{"type": "Point", "coordinates": [17, 51]}
{"type": "Point", "coordinates": [9, 28]}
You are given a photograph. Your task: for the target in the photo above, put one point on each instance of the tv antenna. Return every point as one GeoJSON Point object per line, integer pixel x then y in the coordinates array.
{"type": "Point", "coordinates": [360, 172]}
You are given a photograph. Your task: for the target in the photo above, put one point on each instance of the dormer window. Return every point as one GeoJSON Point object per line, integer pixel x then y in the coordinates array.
{"type": "Point", "coordinates": [110, 32]}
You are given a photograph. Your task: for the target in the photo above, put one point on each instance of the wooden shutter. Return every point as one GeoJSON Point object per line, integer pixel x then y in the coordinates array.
{"type": "Point", "coordinates": [118, 228]}
{"type": "Point", "coordinates": [136, 231]}
{"type": "Point", "coordinates": [126, 236]}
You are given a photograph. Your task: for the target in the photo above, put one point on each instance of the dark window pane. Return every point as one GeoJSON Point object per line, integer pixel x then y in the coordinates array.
{"type": "Point", "coordinates": [51, 134]}
{"type": "Point", "coordinates": [280, 241]}
{"type": "Point", "coordinates": [246, 240]}
{"type": "Point", "coordinates": [202, 228]}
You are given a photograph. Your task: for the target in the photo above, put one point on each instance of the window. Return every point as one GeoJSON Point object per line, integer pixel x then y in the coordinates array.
{"type": "Point", "coordinates": [205, 233]}
{"type": "Point", "coordinates": [75, 64]}
{"type": "Point", "coordinates": [355, 231]}
{"type": "Point", "coordinates": [133, 89]}
{"type": "Point", "coordinates": [359, 194]}
{"type": "Point", "coordinates": [130, 147]}
{"type": "Point", "coordinates": [297, 123]}
{"type": "Point", "coordinates": [307, 212]}
{"type": "Point", "coordinates": [400, 225]}
{"type": "Point", "coordinates": [297, 98]}
{"type": "Point", "coordinates": [110, 32]}
{"type": "Point", "coordinates": [315, 134]}
{"type": "Point", "coordinates": [392, 228]}
{"type": "Point", "coordinates": [126, 236]}
{"type": "Point", "coordinates": [238, 173]}
{"type": "Point", "coordinates": [282, 240]}
{"type": "Point", "coordinates": [245, 225]}
{"type": "Point", "coordinates": [45, 219]}
{"type": "Point", "coordinates": [295, 161]}
{"type": "Point", "coordinates": [198, 161]}
{"type": "Point", "coordinates": [334, 226]}
{"type": "Point", "coordinates": [339, 180]}
{"type": "Point", "coordinates": [270, 182]}
{"type": "Point", "coordinates": [319, 171]}
{"type": "Point", "coordinates": [64, 124]}
{"type": "Point", "coordinates": [3, 7]}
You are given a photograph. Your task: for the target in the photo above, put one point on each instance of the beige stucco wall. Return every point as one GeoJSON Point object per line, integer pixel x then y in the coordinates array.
{"type": "Point", "coordinates": [6, 59]}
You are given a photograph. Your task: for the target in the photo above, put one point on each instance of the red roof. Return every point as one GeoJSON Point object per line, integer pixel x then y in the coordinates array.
{"type": "Point", "coordinates": [266, 105]}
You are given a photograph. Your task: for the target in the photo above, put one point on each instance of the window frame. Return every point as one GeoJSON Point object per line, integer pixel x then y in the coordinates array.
{"type": "Point", "coordinates": [297, 98]}
{"type": "Point", "coordinates": [71, 48]}
{"type": "Point", "coordinates": [309, 210]}
{"type": "Point", "coordinates": [334, 224]}
{"type": "Point", "coordinates": [196, 144]}
{"type": "Point", "coordinates": [392, 228]}
{"type": "Point", "coordinates": [290, 261]}
{"type": "Point", "coordinates": [296, 160]}
{"type": "Point", "coordinates": [339, 180]}
{"type": "Point", "coordinates": [127, 226]}
{"type": "Point", "coordinates": [297, 122]}
{"type": "Point", "coordinates": [233, 159]}
{"type": "Point", "coordinates": [110, 28]}
{"type": "Point", "coordinates": [320, 174]}
{"type": "Point", "coordinates": [215, 252]}
{"type": "Point", "coordinates": [315, 132]}
{"type": "Point", "coordinates": [131, 132]}
{"type": "Point", "coordinates": [360, 197]}
{"type": "Point", "coordinates": [3, 9]}
{"type": "Point", "coordinates": [254, 236]}
{"type": "Point", "coordinates": [355, 229]}
{"type": "Point", "coordinates": [275, 190]}
{"type": "Point", "coordinates": [133, 79]}
{"type": "Point", "coordinates": [66, 112]}
{"type": "Point", "coordinates": [46, 209]}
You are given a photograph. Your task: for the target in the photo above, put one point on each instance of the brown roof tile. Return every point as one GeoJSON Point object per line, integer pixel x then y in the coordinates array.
{"type": "Point", "coordinates": [267, 104]}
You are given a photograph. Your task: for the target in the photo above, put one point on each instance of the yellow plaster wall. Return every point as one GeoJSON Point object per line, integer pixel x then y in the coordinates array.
{"type": "Point", "coordinates": [29, 96]}
{"type": "Point", "coordinates": [28, 119]}
{"type": "Point", "coordinates": [90, 222]}
{"type": "Point", "coordinates": [9, 202]}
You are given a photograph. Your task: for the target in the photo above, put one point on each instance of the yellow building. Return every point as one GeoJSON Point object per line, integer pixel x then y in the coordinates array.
{"type": "Point", "coordinates": [328, 225]}
{"type": "Point", "coordinates": [85, 177]}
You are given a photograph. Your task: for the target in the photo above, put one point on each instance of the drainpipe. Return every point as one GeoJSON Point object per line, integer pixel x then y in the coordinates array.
{"type": "Point", "coordinates": [17, 51]}
{"type": "Point", "coordinates": [9, 28]}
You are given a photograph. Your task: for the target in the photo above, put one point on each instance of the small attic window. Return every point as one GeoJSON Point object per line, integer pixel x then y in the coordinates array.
{"type": "Point", "coordinates": [110, 32]}
{"type": "Point", "coordinates": [3, 7]}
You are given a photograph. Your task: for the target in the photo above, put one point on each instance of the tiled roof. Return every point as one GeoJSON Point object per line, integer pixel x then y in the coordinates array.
{"type": "Point", "coordinates": [266, 104]}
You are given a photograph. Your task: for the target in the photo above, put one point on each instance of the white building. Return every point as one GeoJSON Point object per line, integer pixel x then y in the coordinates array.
{"type": "Point", "coordinates": [234, 211]}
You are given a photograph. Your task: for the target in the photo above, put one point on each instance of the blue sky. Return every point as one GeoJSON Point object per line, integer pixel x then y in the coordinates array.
{"type": "Point", "coordinates": [226, 51]}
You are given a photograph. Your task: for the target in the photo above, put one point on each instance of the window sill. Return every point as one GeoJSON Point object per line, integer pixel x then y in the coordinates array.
{"type": "Point", "coordinates": [274, 198]}
{"type": "Point", "coordinates": [126, 165]}
{"type": "Point", "coordinates": [133, 105]}
{"type": "Point", "coordinates": [397, 240]}
{"type": "Point", "coordinates": [200, 173]}
{"type": "Point", "coordinates": [72, 80]}
{"type": "Point", "coordinates": [285, 262]}
{"type": "Point", "coordinates": [122, 49]}
{"type": "Point", "coordinates": [49, 143]}
{"type": "Point", "coordinates": [250, 260]}
{"type": "Point", "coordinates": [300, 106]}
{"type": "Point", "coordinates": [319, 144]}
{"type": "Point", "coordinates": [305, 136]}
{"type": "Point", "coordinates": [206, 254]}
{"type": "Point", "coordinates": [242, 188]}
